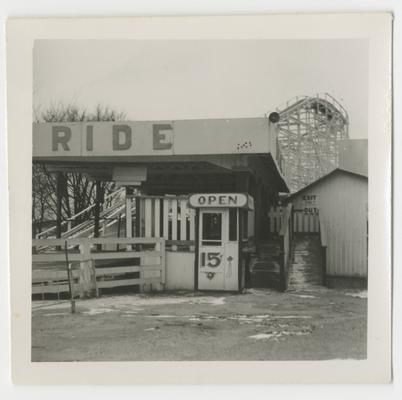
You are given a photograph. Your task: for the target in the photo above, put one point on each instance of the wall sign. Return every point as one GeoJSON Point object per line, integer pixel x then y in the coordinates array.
{"type": "Point", "coordinates": [310, 203]}
{"type": "Point", "coordinates": [150, 138]}
{"type": "Point", "coordinates": [222, 200]}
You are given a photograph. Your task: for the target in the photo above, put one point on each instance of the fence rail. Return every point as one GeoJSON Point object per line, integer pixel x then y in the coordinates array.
{"type": "Point", "coordinates": [303, 222]}
{"type": "Point", "coordinates": [93, 268]}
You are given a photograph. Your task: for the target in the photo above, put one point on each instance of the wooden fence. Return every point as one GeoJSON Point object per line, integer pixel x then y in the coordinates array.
{"type": "Point", "coordinates": [167, 217]}
{"type": "Point", "coordinates": [302, 222]}
{"type": "Point", "coordinates": [138, 262]}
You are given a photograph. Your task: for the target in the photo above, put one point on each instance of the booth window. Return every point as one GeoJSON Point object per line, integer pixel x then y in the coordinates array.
{"type": "Point", "coordinates": [232, 224]}
{"type": "Point", "coordinates": [211, 229]}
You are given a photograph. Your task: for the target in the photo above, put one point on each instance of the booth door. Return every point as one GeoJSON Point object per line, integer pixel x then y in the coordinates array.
{"type": "Point", "coordinates": [218, 250]}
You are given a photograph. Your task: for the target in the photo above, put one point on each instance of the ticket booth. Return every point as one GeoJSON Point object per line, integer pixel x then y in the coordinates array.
{"type": "Point", "coordinates": [222, 228]}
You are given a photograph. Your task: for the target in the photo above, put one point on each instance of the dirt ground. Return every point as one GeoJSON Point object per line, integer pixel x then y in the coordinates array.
{"type": "Point", "coordinates": [257, 325]}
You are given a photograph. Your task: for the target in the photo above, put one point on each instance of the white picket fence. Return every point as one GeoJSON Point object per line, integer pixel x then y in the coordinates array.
{"type": "Point", "coordinates": [168, 217]}
{"type": "Point", "coordinates": [302, 222]}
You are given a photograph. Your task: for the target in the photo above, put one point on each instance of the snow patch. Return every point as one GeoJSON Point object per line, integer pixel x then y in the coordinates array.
{"type": "Point", "coordinates": [131, 303]}
{"type": "Point", "coordinates": [262, 336]}
{"type": "Point", "coordinates": [258, 292]}
{"type": "Point", "coordinates": [278, 334]}
{"type": "Point", "coordinates": [305, 296]}
{"type": "Point", "coordinates": [361, 295]}
{"type": "Point", "coordinates": [53, 314]}
{"type": "Point", "coordinates": [96, 311]}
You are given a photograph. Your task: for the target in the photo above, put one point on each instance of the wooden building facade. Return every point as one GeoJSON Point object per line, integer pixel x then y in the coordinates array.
{"type": "Point", "coordinates": [340, 198]}
{"type": "Point", "coordinates": [161, 164]}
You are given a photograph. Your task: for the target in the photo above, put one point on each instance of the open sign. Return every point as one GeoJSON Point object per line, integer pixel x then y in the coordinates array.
{"type": "Point", "coordinates": [231, 200]}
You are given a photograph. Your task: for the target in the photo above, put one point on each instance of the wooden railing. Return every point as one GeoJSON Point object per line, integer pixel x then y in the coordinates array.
{"type": "Point", "coordinates": [68, 223]}
{"type": "Point", "coordinates": [286, 235]}
{"type": "Point", "coordinates": [93, 269]}
{"type": "Point", "coordinates": [323, 243]}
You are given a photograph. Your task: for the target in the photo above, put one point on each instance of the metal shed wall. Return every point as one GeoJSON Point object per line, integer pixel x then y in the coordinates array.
{"type": "Point", "coordinates": [342, 202]}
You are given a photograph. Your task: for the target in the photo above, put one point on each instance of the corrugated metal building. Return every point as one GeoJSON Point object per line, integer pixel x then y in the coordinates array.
{"type": "Point", "coordinates": [340, 198]}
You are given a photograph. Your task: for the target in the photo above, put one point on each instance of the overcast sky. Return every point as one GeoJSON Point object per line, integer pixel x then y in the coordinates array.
{"type": "Point", "coordinates": [167, 80]}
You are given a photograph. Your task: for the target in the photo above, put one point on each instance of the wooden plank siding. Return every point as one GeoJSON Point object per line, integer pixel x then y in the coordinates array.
{"type": "Point", "coordinates": [109, 268]}
{"type": "Point", "coordinates": [342, 203]}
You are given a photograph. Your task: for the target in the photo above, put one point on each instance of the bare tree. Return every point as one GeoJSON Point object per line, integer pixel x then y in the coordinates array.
{"type": "Point", "coordinates": [79, 192]}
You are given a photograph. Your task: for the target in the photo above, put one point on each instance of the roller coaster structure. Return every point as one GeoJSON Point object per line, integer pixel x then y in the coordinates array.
{"type": "Point", "coordinates": [309, 128]}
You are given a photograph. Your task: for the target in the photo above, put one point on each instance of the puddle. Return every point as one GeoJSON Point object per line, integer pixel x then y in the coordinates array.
{"type": "Point", "coordinates": [305, 296]}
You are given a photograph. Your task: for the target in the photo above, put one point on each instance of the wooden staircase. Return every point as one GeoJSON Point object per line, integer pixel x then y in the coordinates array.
{"type": "Point", "coordinates": [305, 271]}
{"type": "Point", "coordinates": [306, 267]}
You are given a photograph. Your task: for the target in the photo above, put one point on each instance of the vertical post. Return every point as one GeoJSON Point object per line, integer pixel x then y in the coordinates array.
{"type": "Point", "coordinates": [197, 235]}
{"type": "Point", "coordinates": [118, 229]}
{"type": "Point", "coordinates": [183, 219]}
{"type": "Point", "coordinates": [97, 212]}
{"type": "Point", "coordinates": [137, 217]}
{"type": "Point", "coordinates": [129, 217]}
{"type": "Point", "coordinates": [282, 264]}
{"type": "Point", "coordinates": [192, 227]}
{"type": "Point", "coordinates": [174, 223]}
{"type": "Point", "coordinates": [163, 262]}
{"type": "Point", "coordinates": [157, 215]}
{"type": "Point", "coordinates": [88, 283]}
{"type": "Point", "coordinates": [70, 279]}
{"type": "Point", "coordinates": [59, 198]}
{"type": "Point", "coordinates": [148, 217]}
{"type": "Point", "coordinates": [165, 233]}
{"type": "Point", "coordinates": [324, 265]}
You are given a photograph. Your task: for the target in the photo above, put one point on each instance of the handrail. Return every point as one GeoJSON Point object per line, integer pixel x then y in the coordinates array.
{"type": "Point", "coordinates": [73, 218]}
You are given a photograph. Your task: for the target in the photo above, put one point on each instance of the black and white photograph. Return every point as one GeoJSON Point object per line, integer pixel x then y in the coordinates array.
{"type": "Point", "coordinates": [198, 199]}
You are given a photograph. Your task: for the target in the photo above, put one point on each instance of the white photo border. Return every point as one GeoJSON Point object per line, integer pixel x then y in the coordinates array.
{"type": "Point", "coordinates": [376, 27]}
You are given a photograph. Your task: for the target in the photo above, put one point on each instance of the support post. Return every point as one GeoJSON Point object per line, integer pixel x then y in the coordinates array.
{"type": "Point", "coordinates": [129, 218]}
{"type": "Point", "coordinates": [137, 217]}
{"type": "Point", "coordinates": [59, 198]}
{"type": "Point", "coordinates": [97, 212]}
